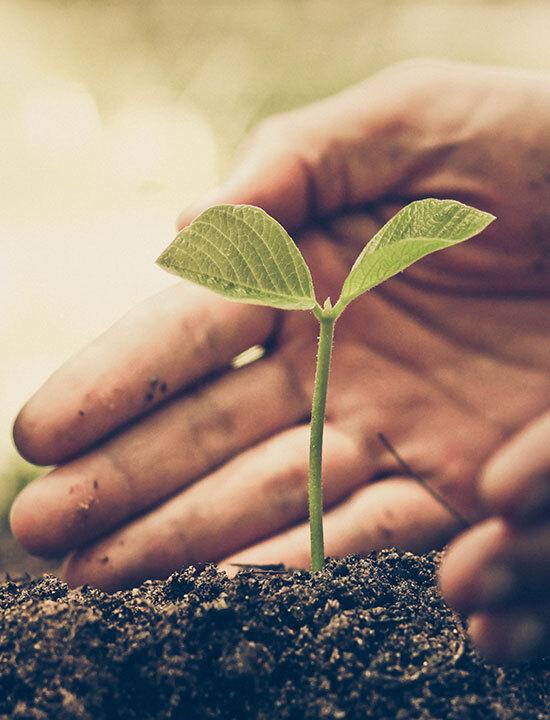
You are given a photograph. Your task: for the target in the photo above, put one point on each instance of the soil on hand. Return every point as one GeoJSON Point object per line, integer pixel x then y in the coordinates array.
{"type": "Point", "coordinates": [365, 638]}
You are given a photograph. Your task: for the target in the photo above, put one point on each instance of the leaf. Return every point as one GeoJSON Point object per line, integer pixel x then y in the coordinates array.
{"type": "Point", "coordinates": [417, 230]}
{"type": "Point", "coordinates": [242, 253]}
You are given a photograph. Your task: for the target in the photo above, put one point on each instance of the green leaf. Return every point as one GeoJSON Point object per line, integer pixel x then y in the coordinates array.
{"type": "Point", "coordinates": [242, 253]}
{"type": "Point", "coordinates": [417, 230]}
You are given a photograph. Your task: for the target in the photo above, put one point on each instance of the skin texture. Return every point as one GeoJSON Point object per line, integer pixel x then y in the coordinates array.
{"type": "Point", "coordinates": [167, 457]}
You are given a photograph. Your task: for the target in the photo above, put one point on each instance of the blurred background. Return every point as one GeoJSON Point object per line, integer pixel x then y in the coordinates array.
{"type": "Point", "coordinates": [115, 114]}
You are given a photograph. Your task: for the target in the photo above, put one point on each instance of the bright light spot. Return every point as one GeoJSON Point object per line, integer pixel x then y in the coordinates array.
{"type": "Point", "coordinates": [256, 352]}
{"type": "Point", "coordinates": [137, 140]}
{"type": "Point", "coordinates": [166, 144]}
{"type": "Point", "coordinates": [60, 118]}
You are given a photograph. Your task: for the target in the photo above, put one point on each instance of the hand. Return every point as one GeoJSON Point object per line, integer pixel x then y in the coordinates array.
{"type": "Point", "coordinates": [168, 457]}
{"type": "Point", "coordinates": [499, 571]}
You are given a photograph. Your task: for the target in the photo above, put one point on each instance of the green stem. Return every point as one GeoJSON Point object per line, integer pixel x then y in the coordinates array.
{"type": "Point", "coordinates": [327, 320]}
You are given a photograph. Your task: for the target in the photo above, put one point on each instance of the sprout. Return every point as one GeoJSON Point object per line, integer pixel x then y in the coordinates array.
{"type": "Point", "coordinates": [242, 253]}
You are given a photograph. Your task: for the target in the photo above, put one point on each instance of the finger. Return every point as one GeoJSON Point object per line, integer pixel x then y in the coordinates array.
{"type": "Point", "coordinates": [390, 513]}
{"type": "Point", "coordinates": [516, 481]}
{"type": "Point", "coordinates": [512, 636]}
{"type": "Point", "coordinates": [497, 565]}
{"type": "Point", "coordinates": [156, 457]}
{"type": "Point", "coordinates": [255, 495]}
{"type": "Point", "coordinates": [164, 344]}
{"type": "Point", "coordinates": [343, 151]}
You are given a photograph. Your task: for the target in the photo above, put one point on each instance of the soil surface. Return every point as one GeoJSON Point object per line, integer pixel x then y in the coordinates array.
{"type": "Point", "coordinates": [366, 638]}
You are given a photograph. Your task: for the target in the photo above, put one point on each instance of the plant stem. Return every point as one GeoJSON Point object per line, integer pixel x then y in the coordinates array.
{"type": "Point", "coordinates": [327, 320]}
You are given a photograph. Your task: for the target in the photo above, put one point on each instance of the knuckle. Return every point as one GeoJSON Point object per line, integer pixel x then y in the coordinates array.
{"type": "Point", "coordinates": [416, 85]}
{"type": "Point", "coordinates": [276, 132]}
{"type": "Point", "coordinates": [271, 126]}
{"type": "Point", "coordinates": [287, 492]}
{"type": "Point", "coordinates": [419, 70]}
{"type": "Point", "coordinates": [209, 423]}
{"type": "Point", "coordinates": [203, 333]}
{"type": "Point", "coordinates": [418, 63]}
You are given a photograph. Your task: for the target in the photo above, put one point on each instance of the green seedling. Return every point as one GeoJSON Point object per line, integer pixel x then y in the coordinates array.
{"type": "Point", "coordinates": [242, 253]}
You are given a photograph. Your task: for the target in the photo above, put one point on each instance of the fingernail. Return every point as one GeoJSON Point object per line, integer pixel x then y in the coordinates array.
{"type": "Point", "coordinates": [497, 583]}
{"type": "Point", "coordinates": [525, 637]}
{"type": "Point", "coordinates": [536, 504]}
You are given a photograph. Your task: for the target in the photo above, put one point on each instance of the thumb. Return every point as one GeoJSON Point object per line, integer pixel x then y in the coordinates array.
{"type": "Point", "coordinates": [516, 481]}
{"type": "Point", "coordinates": [270, 172]}
{"type": "Point", "coordinates": [348, 149]}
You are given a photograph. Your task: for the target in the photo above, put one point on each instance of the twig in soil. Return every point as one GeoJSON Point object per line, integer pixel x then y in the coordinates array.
{"type": "Point", "coordinates": [278, 568]}
{"type": "Point", "coordinates": [412, 473]}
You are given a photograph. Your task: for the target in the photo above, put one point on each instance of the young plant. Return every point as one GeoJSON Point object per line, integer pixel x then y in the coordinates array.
{"type": "Point", "coordinates": [242, 253]}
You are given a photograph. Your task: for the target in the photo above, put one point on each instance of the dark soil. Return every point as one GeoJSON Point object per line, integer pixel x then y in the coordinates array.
{"type": "Point", "coordinates": [366, 638]}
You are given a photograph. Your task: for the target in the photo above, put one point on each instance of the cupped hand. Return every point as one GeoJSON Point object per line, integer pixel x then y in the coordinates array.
{"type": "Point", "coordinates": [167, 456]}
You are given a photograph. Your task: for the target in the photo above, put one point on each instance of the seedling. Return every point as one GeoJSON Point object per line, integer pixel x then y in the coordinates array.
{"type": "Point", "coordinates": [242, 253]}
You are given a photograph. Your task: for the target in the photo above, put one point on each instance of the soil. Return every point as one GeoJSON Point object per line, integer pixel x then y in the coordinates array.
{"type": "Point", "coordinates": [366, 638]}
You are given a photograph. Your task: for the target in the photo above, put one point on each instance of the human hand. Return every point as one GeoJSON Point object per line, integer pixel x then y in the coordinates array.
{"type": "Point", "coordinates": [499, 571]}
{"type": "Point", "coordinates": [447, 360]}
